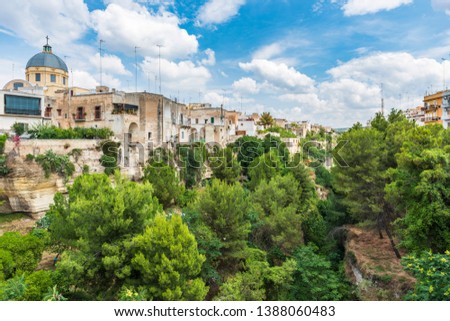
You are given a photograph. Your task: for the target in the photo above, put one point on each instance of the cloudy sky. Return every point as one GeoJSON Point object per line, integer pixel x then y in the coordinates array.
{"type": "Point", "coordinates": [319, 60]}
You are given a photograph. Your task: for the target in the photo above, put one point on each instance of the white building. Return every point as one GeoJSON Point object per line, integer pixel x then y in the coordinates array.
{"type": "Point", "coordinates": [21, 107]}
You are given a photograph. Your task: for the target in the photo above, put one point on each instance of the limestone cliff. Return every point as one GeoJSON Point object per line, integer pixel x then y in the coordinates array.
{"type": "Point", "coordinates": [26, 189]}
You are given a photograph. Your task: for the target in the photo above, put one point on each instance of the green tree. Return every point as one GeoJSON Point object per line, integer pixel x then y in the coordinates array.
{"type": "Point", "coordinates": [264, 168]}
{"type": "Point", "coordinates": [223, 208]}
{"type": "Point", "coordinates": [18, 128]}
{"type": "Point", "coordinates": [279, 223]}
{"type": "Point", "coordinates": [419, 189]}
{"type": "Point", "coordinates": [37, 284]}
{"type": "Point", "coordinates": [225, 166]}
{"type": "Point", "coordinates": [25, 251]}
{"type": "Point", "coordinates": [94, 223]}
{"type": "Point", "coordinates": [259, 281]}
{"type": "Point", "coordinates": [167, 261]}
{"type": "Point", "coordinates": [266, 120]}
{"type": "Point", "coordinates": [13, 289]}
{"type": "Point", "coordinates": [314, 279]}
{"type": "Point", "coordinates": [248, 149]}
{"type": "Point", "coordinates": [165, 182]}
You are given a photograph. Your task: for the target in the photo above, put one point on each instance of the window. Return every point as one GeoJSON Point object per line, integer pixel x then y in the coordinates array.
{"type": "Point", "coordinates": [21, 105]}
{"type": "Point", "coordinates": [196, 120]}
{"type": "Point", "coordinates": [98, 112]}
{"type": "Point", "coordinates": [48, 112]}
{"type": "Point", "coordinates": [64, 81]}
{"type": "Point", "coordinates": [206, 121]}
{"type": "Point", "coordinates": [80, 114]}
{"type": "Point", "coordinates": [53, 78]}
{"type": "Point", "coordinates": [149, 135]}
{"type": "Point", "coordinates": [212, 120]}
{"type": "Point", "coordinates": [37, 77]}
{"type": "Point", "coordinates": [182, 135]}
{"type": "Point", "coordinates": [59, 112]}
{"type": "Point", "coordinates": [17, 85]}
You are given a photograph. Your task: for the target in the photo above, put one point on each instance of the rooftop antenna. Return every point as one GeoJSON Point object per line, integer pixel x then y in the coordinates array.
{"type": "Point", "coordinates": [100, 51]}
{"type": "Point", "coordinates": [136, 68]}
{"type": "Point", "coordinates": [47, 39]}
{"type": "Point", "coordinates": [159, 59]}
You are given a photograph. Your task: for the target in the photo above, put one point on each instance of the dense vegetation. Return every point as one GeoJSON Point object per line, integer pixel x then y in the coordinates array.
{"type": "Point", "coordinates": [257, 230]}
{"type": "Point", "coordinates": [3, 168]}
{"type": "Point", "coordinates": [45, 131]}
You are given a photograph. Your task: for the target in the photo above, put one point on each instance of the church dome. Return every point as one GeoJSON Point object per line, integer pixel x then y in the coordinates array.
{"type": "Point", "coordinates": [47, 59]}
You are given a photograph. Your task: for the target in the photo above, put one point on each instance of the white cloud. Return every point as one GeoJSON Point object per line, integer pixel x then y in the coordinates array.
{"type": "Point", "coordinates": [279, 74]}
{"type": "Point", "coordinates": [31, 20]}
{"type": "Point", "coordinates": [210, 59]}
{"type": "Point", "coordinates": [83, 79]}
{"type": "Point", "coordinates": [125, 27]}
{"type": "Point", "coordinates": [184, 75]}
{"type": "Point", "coordinates": [362, 7]}
{"type": "Point", "coordinates": [110, 63]}
{"type": "Point", "coordinates": [441, 5]}
{"type": "Point", "coordinates": [246, 86]}
{"type": "Point", "coordinates": [216, 99]}
{"type": "Point", "coordinates": [269, 51]}
{"type": "Point", "coordinates": [218, 11]}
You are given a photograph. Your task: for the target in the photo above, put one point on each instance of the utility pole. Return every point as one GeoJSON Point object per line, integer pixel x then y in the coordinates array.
{"type": "Point", "coordinates": [100, 51]}
{"type": "Point", "coordinates": [159, 59]}
{"type": "Point", "coordinates": [136, 68]}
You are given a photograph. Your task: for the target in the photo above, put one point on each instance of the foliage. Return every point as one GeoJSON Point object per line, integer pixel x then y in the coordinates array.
{"type": "Point", "coordinates": [53, 163]}
{"type": "Point", "coordinates": [223, 209]}
{"type": "Point", "coordinates": [191, 161]}
{"type": "Point", "coordinates": [314, 279]}
{"type": "Point", "coordinates": [432, 274]}
{"type": "Point", "coordinates": [13, 289]}
{"type": "Point", "coordinates": [323, 176]}
{"type": "Point", "coordinates": [53, 295]}
{"type": "Point", "coordinates": [4, 170]}
{"type": "Point", "coordinates": [95, 222]}
{"type": "Point", "coordinates": [18, 128]}
{"type": "Point", "coordinates": [264, 168]}
{"type": "Point", "coordinates": [167, 262]}
{"type": "Point", "coordinates": [279, 223]}
{"type": "Point", "coordinates": [45, 131]}
{"type": "Point", "coordinates": [37, 284]}
{"type": "Point", "coordinates": [225, 166]}
{"type": "Point", "coordinates": [419, 189]}
{"type": "Point", "coordinates": [165, 182]}
{"type": "Point", "coordinates": [266, 120]}
{"type": "Point", "coordinates": [25, 252]}
{"type": "Point", "coordinates": [259, 281]}
{"type": "Point", "coordinates": [3, 139]}
{"type": "Point", "coordinates": [284, 133]}
{"type": "Point", "coordinates": [248, 149]}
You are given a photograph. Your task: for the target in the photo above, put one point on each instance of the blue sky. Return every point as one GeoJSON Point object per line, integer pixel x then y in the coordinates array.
{"type": "Point", "coordinates": [317, 60]}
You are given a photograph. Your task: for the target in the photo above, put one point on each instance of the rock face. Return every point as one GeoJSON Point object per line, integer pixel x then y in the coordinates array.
{"type": "Point", "coordinates": [26, 189]}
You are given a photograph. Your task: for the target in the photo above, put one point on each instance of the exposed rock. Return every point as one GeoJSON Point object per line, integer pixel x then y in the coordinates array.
{"type": "Point", "coordinates": [26, 189]}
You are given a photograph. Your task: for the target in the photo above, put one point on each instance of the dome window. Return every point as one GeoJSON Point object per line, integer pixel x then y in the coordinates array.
{"type": "Point", "coordinates": [37, 77]}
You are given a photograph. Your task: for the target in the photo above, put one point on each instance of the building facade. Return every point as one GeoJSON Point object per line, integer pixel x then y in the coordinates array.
{"type": "Point", "coordinates": [433, 108]}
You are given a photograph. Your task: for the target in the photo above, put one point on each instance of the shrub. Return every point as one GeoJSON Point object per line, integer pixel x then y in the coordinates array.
{"type": "Point", "coordinates": [44, 131]}
{"type": "Point", "coordinates": [53, 163]}
{"type": "Point", "coordinates": [29, 157]}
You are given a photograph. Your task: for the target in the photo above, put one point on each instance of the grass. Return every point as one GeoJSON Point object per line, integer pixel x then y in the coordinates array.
{"type": "Point", "coordinates": [6, 218]}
